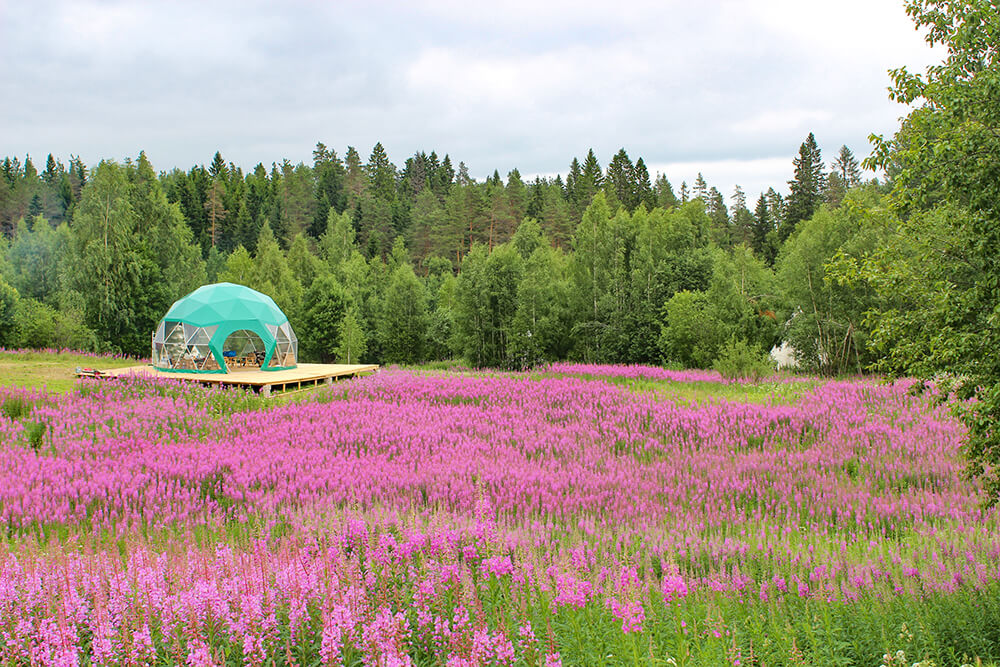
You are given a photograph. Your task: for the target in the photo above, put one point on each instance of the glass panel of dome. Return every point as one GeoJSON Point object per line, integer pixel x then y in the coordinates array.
{"type": "Point", "coordinates": [175, 333]}
{"type": "Point", "coordinates": [199, 337]}
{"type": "Point", "coordinates": [189, 331]}
{"type": "Point", "coordinates": [210, 363]}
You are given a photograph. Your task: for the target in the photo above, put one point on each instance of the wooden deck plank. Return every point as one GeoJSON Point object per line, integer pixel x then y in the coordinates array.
{"type": "Point", "coordinates": [253, 378]}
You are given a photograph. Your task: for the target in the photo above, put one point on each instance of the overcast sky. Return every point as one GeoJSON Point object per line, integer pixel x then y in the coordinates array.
{"type": "Point", "coordinates": [727, 88]}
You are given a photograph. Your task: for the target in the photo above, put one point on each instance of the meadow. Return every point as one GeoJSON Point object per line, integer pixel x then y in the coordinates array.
{"type": "Point", "coordinates": [574, 515]}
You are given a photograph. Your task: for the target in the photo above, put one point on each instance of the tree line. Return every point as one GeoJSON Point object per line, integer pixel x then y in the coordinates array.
{"type": "Point", "coordinates": [376, 263]}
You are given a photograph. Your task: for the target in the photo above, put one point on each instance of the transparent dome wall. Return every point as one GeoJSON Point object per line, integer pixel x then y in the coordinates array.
{"type": "Point", "coordinates": [180, 346]}
{"type": "Point", "coordinates": [286, 347]}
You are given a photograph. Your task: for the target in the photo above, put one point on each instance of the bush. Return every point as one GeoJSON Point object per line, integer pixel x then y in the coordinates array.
{"type": "Point", "coordinates": [38, 325]}
{"type": "Point", "coordinates": [692, 334]}
{"type": "Point", "coordinates": [739, 360]}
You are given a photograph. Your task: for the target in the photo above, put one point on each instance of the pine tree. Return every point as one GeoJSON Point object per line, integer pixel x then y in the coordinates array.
{"type": "Point", "coordinates": [573, 183]}
{"type": "Point", "coordinates": [536, 198]}
{"type": "Point", "coordinates": [463, 178]}
{"type": "Point", "coordinates": [445, 177]}
{"type": "Point", "coordinates": [214, 209]}
{"type": "Point", "coordinates": [52, 171]}
{"type": "Point", "coordinates": [355, 181]}
{"type": "Point", "coordinates": [329, 176]}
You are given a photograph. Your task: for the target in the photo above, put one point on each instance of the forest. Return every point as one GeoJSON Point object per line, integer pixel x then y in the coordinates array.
{"type": "Point", "coordinates": [373, 262]}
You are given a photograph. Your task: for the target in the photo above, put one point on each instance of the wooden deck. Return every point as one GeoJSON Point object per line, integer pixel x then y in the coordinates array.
{"type": "Point", "coordinates": [265, 382]}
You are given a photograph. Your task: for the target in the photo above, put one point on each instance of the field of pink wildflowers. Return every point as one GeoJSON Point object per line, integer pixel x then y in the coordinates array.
{"type": "Point", "coordinates": [469, 519]}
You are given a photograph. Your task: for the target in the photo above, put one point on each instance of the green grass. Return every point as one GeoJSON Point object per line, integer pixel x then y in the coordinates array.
{"type": "Point", "coordinates": [701, 392]}
{"type": "Point", "coordinates": [696, 393]}
{"type": "Point", "coordinates": [684, 393]}
{"type": "Point", "coordinates": [54, 372]}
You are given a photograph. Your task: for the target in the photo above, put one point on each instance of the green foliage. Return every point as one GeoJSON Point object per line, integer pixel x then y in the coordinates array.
{"type": "Point", "coordinates": [738, 359]}
{"type": "Point", "coordinates": [403, 320]}
{"type": "Point", "coordinates": [825, 298]}
{"type": "Point", "coordinates": [441, 339]}
{"type": "Point", "coordinates": [692, 333]}
{"type": "Point", "coordinates": [337, 243]}
{"type": "Point", "coordinates": [324, 306]}
{"type": "Point", "coordinates": [351, 339]}
{"type": "Point", "coordinates": [273, 276]}
{"type": "Point", "coordinates": [542, 322]}
{"type": "Point", "coordinates": [111, 265]}
{"type": "Point", "coordinates": [486, 304]}
{"type": "Point", "coordinates": [941, 274]}
{"type": "Point", "coordinates": [806, 188]}
{"type": "Point", "coordinates": [8, 313]}
{"type": "Point", "coordinates": [304, 264]}
{"type": "Point", "coordinates": [38, 325]}
{"type": "Point", "coordinates": [744, 297]}
{"type": "Point", "coordinates": [528, 237]}
{"type": "Point", "coordinates": [36, 258]}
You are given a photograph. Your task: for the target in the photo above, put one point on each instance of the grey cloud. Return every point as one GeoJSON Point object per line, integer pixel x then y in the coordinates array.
{"type": "Point", "coordinates": [527, 84]}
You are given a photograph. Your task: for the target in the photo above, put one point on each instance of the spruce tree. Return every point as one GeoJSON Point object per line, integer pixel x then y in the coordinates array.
{"type": "Point", "coordinates": [742, 218]}
{"type": "Point", "coordinates": [590, 181]}
{"type": "Point", "coordinates": [762, 226]}
{"type": "Point", "coordinates": [846, 165]}
{"type": "Point", "coordinates": [643, 188]}
{"type": "Point", "coordinates": [665, 197]}
{"type": "Point", "coordinates": [619, 183]}
{"type": "Point", "coordinates": [700, 190]}
{"type": "Point", "coordinates": [806, 189]}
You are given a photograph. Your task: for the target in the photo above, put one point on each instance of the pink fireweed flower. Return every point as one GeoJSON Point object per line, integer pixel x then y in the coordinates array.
{"type": "Point", "coordinates": [572, 592]}
{"type": "Point", "coordinates": [674, 587]}
{"type": "Point", "coordinates": [630, 613]}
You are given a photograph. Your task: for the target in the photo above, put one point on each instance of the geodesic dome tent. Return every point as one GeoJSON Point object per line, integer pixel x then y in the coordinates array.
{"type": "Point", "coordinates": [222, 327]}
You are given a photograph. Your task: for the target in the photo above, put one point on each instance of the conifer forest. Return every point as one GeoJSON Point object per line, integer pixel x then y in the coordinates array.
{"type": "Point", "coordinates": [421, 262]}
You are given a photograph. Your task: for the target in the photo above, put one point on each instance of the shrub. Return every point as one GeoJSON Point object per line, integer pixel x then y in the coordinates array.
{"type": "Point", "coordinates": [739, 360]}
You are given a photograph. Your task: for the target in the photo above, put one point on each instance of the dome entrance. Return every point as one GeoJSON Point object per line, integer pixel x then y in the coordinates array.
{"type": "Point", "coordinates": [244, 350]}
